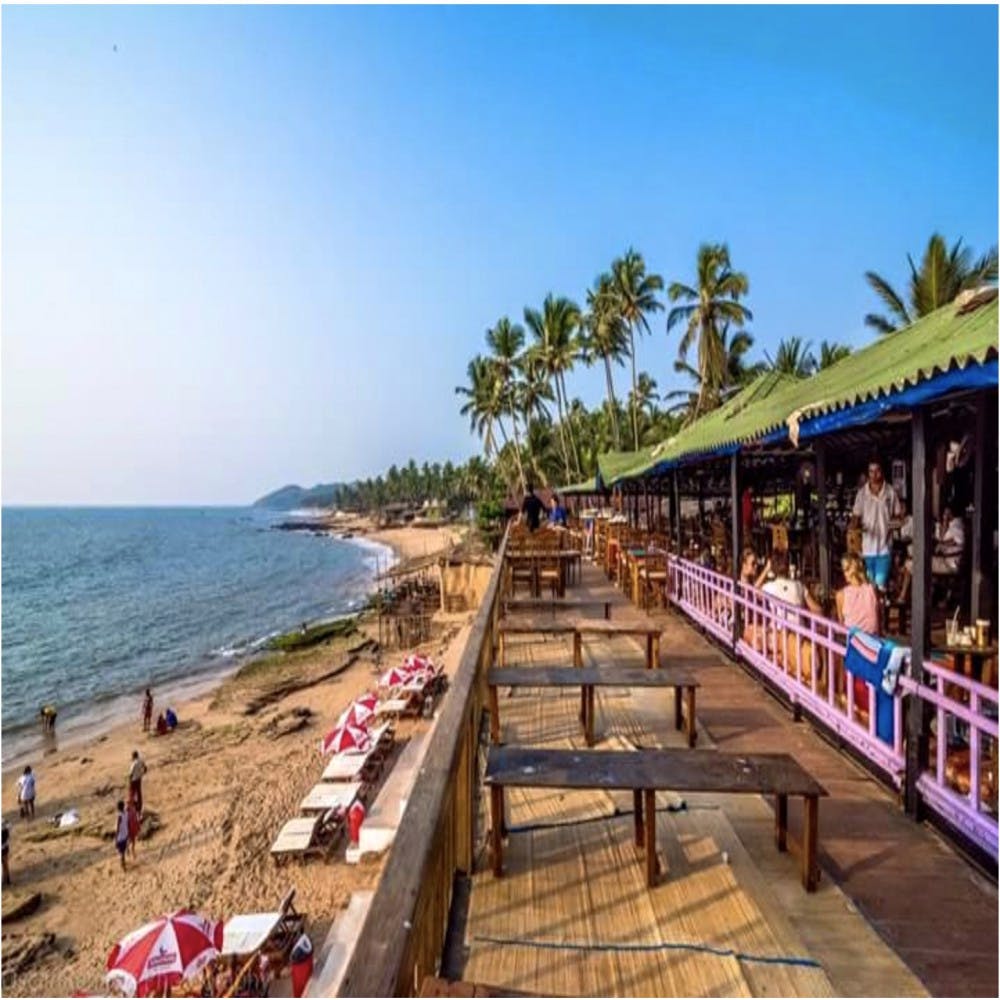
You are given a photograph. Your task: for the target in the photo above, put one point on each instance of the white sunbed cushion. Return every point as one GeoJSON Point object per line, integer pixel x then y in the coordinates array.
{"type": "Point", "coordinates": [296, 835]}
{"type": "Point", "coordinates": [326, 796]}
{"type": "Point", "coordinates": [246, 932]}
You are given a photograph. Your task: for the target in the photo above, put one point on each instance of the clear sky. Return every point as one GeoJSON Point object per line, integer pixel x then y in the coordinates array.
{"type": "Point", "coordinates": [250, 246]}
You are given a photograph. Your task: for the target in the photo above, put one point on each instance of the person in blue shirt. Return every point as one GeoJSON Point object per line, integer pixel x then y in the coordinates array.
{"type": "Point", "coordinates": [170, 717]}
{"type": "Point", "coordinates": [557, 512]}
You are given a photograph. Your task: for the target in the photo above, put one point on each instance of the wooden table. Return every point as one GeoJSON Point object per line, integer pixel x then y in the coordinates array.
{"type": "Point", "coordinates": [587, 678]}
{"type": "Point", "coordinates": [645, 772]}
{"type": "Point", "coordinates": [530, 626]}
{"type": "Point", "coordinates": [969, 660]}
{"type": "Point", "coordinates": [593, 627]}
{"type": "Point", "coordinates": [553, 604]}
{"type": "Point", "coordinates": [564, 557]}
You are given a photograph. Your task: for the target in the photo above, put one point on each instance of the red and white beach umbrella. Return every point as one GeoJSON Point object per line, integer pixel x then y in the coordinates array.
{"type": "Point", "coordinates": [163, 953]}
{"type": "Point", "coordinates": [360, 711]}
{"type": "Point", "coordinates": [347, 739]}
{"type": "Point", "coordinates": [396, 677]}
{"type": "Point", "coordinates": [417, 661]}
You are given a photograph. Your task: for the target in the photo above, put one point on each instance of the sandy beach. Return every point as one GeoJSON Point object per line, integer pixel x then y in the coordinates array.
{"type": "Point", "coordinates": [217, 791]}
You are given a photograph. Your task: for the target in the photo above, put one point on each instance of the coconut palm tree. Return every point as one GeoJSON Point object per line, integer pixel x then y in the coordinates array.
{"type": "Point", "coordinates": [830, 353]}
{"type": "Point", "coordinates": [635, 292]}
{"type": "Point", "coordinates": [480, 404]}
{"type": "Point", "coordinates": [606, 337]}
{"type": "Point", "coordinates": [506, 340]}
{"type": "Point", "coordinates": [942, 274]}
{"type": "Point", "coordinates": [555, 350]}
{"type": "Point", "coordinates": [707, 307]}
{"type": "Point", "coordinates": [793, 357]}
{"type": "Point", "coordinates": [738, 374]}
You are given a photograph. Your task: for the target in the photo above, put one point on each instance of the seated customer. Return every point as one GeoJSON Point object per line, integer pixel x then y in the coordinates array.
{"type": "Point", "coordinates": [557, 512]}
{"type": "Point", "coordinates": [789, 591]}
{"type": "Point", "coordinates": [949, 544]}
{"type": "Point", "coordinates": [857, 607]}
{"type": "Point", "coordinates": [749, 566]}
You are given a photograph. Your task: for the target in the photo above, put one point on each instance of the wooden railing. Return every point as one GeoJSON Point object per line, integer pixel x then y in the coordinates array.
{"type": "Point", "coordinates": [403, 935]}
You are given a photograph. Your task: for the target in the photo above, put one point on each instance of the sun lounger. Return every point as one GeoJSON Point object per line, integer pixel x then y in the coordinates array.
{"type": "Point", "coordinates": [273, 934]}
{"type": "Point", "coordinates": [328, 795]}
{"type": "Point", "coordinates": [306, 835]}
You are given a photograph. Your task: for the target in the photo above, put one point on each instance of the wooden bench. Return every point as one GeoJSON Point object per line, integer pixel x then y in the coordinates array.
{"type": "Point", "coordinates": [594, 627]}
{"type": "Point", "coordinates": [645, 772]}
{"type": "Point", "coordinates": [553, 605]}
{"type": "Point", "coordinates": [530, 626]}
{"type": "Point", "coordinates": [587, 678]}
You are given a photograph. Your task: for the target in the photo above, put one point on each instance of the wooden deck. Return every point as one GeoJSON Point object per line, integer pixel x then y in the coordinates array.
{"type": "Point", "coordinates": [573, 917]}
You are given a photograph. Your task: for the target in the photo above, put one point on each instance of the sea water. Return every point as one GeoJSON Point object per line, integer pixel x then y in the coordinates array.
{"type": "Point", "coordinates": [98, 603]}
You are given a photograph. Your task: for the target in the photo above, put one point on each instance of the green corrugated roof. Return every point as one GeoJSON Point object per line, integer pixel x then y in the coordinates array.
{"type": "Point", "coordinates": [935, 344]}
{"type": "Point", "coordinates": [587, 486]}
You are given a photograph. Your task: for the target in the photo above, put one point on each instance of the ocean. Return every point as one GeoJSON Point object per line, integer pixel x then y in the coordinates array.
{"type": "Point", "coordinates": [98, 603]}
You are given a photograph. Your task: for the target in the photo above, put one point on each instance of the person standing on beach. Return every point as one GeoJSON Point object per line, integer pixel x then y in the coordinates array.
{"type": "Point", "coordinates": [26, 794]}
{"type": "Point", "coordinates": [135, 772]}
{"type": "Point", "coordinates": [121, 833]}
{"type": "Point", "coordinates": [147, 711]}
{"type": "Point", "coordinates": [132, 815]}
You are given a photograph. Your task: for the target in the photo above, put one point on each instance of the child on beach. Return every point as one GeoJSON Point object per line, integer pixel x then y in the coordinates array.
{"type": "Point", "coordinates": [121, 833]}
{"type": "Point", "coordinates": [147, 710]}
{"type": "Point", "coordinates": [132, 814]}
{"type": "Point", "coordinates": [26, 794]}
{"type": "Point", "coordinates": [135, 772]}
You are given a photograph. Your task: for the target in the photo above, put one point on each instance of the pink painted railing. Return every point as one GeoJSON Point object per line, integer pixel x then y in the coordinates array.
{"type": "Point", "coordinates": [802, 654]}
{"type": "Point", "coordinates": [962, 786]}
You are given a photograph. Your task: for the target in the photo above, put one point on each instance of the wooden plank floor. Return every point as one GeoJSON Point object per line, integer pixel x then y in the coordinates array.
{"type": "Point", "coordinates": [572, 915]}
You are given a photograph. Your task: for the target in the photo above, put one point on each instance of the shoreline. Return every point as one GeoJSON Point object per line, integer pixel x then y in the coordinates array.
{"type": "Point", "coordinates": [82, 726]}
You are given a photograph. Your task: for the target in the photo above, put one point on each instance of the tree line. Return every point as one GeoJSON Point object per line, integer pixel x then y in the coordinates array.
{"type": "Point", "coordinates": [516, 395]}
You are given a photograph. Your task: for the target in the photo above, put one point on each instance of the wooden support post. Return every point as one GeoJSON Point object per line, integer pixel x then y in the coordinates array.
{"type": "Point", "coordinates": [494, 715]}
{"type": "Point", "coordinates": [984, 505]}
{"type": "Point", "coordinates": [649, 804]}
{"type": "Point", "coordinates": [678, 714]}
{"type": "Point", "coordinates": [640, 835]}
{"type": "Point", "coordinates": [690, 719]}
{"type": "Point", "coordinates": [923, 542]}
{"type": "Point", "coordinates": [676, 508]}
{"type": "Point", "coordinates": [810, 843]}
{"type": "Point", "coordinates": [734, 488]}
{"type": "Point", "coordinates": [822, 527]}
{"type": "Point", "coordinates": [781, 822]}
{"type": "Point", "coordinates": [496, 828]}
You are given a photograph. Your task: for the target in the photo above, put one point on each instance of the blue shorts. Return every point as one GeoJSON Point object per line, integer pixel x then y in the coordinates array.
{"type": "Point", "coordinates": [878, 569]}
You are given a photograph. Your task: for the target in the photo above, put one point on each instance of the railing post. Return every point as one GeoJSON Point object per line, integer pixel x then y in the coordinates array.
{"type": "Point", "coordinates": [822, 528]}
{"type": "Point", "coordinates": [917, 742]}
{"type": "Point", "coordinates": [734, 487]}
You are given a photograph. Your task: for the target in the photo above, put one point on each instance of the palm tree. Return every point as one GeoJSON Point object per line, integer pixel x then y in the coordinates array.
{"type": "Point", "coordinates": [606, 337]}
{"type": "Point", "coordinates": [830, 353]}
{"type": "Point", "coordinates": [713, 302]}
{"type": "Point", "coordinates": [555, 350]}
{"type": "Point", "coordinates": [505, 340]}
{"type": "Point", "coordinates": [738, 374]}
{"type": "Point", "coordinates": [635, 292]}
{"type": "Point", "coordinates": [942, 274]}
{"type": "Point", "coordinates": [793, 357]}
{"type": "Point", "coordinates": [482, 405]}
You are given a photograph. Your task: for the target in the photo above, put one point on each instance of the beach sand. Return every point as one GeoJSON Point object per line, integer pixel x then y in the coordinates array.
{"type": "Point", "coordinates": [220, 788]}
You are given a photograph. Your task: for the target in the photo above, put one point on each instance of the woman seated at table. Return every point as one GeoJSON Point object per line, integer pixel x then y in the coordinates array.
{"type": "Point", "coordinates": [857, 607]}
{"type": "Point", "coordinates": [749, 569]}
{"type": "Point", "coordinates": [786, 591]}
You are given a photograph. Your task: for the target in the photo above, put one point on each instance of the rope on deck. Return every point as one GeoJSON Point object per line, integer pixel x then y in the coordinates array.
{"type": "Point", "coordinates": [707, 949]}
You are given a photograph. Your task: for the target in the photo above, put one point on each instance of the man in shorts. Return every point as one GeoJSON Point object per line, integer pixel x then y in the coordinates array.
{"type": "Point", "coordinates": [26, 794]}
{"type": "Point", "coordinates": [875, 506]}
{"type": "Point", "coordinates": [135, 772]}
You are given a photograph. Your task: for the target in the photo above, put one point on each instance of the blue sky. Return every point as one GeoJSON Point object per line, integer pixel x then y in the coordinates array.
{"type": "Point", "coordinates": [259, 245]}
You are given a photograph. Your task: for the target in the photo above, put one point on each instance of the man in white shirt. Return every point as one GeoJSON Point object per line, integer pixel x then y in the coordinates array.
{"type": "Point", "coordinates": [874, 507]}
{"type": "Point", "coordinates": [949, 544]}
